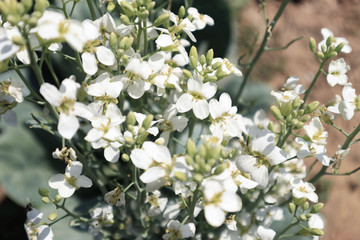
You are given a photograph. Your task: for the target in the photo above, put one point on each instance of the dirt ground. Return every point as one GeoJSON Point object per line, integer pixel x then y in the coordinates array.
{"type": "Point", "coordinates": [306, 18]}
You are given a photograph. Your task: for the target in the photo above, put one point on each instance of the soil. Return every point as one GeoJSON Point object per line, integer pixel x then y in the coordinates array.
{"type": "Point", "coordinates": [306, 18]}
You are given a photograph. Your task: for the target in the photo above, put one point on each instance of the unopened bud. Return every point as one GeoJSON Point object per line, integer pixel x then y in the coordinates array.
{"type": "Point", "coordinates": [270, 126]}
{"type": "Point", "coordinates": [305, 118]}
{"type": "Point", "coordinates": [125, 157]}
{"type": "Point", "coordinates": [312, 44]}
{"type": "Point", "coordinates": [41, 5]}
{"type": "Point", "coordinates": [299, 201]}
{"type": "Point", "coordinates": [276, 112]}
{"type": "Point", "coordinates": [189, 160]}
{"type": "Point", "coordinates": [219, 169]}
{"type": "Point", "coordinates": [131, 119]}
{"type": "Point", "coordinates": [193, 54]}
{"type": "Point", "coordinates": [193, 61]}
{"type": "Point", "coordinates": [110, 7]}
{"type": "Point", "coordinates": [291, 208]}
{"type": "Point", "coordinates": [162, 18]}
{"type": "Point", "coordinates": [180, 176]}
{"type": "Point", "coordinates": [317, 207]}
{"type": "Point", "coordinates": [125, 20]}
{"type": "Point", "coordinates": [298, 125]}
{"type": "Point", "coordinates": [182, 12]}
{"type": "Point", "coordinates": [198, 177]}
{"type": "Point", "coordinates": [329, 41]}
{"type": "Point", "coordinates": [148, 120]}
{"type": "Point", "coordinates": [113, 41]}
{"type": "Point", "coordinates": [202, 59]}
{"type": "Point", "coordinates": [150, 6]}
{"type": "Point", "coordinates": [320, 55]}
{"type": "Point", "coordinates": [144, 14]}
{"type": "Point", "coordinates": [27, 4]}
{"type": "Point", "coordinates": [202, 151]}
{"type": "Point", "coordinates": [187, 73]}
{"type": "Point", "coordinates": [18, 40]}
{"type": "Point", "coordinates": [129, 140]}
{"type": "Point", "coordinates": [216, 65]}
{"type": "Point", "coordinates": [339, 47]}
{"type": "Point", "coordinates": [302, 217]}
{"type": "Point", "coordinates": [305, 206]}
{"type": "Point", "coordinates": [160, 141]}
{"type": "Point", "coordinates": [316, 232]}
{"type": "Point", "coordinates": [57, 199]}
{"type": "Point", "coordinates": [209, 56]}
{"type": "Point", "coordinates": [311, 107]}
{"type": "Point", "coordinates": [296, 103]}
{"type": "Point", "coordinates": [127, 8]}
{"type": "Point", "coordinates": [332, 54]}
{"type": "Point", "coordinates": [45, 200]}
{"type": "Point", "coordinates": [44, 192]}
{"type": "Point", "coordinates": [309, 215]}
{"type": "Point", "coordinates": [190, 147]}
{"type": "Point", "coordinates": [52, 216]}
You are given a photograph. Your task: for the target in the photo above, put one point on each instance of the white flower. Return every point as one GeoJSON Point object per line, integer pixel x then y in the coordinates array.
{"type": "Point", "coordinates": [176, 230]}
{"type": "Point", "coordinates": [157, 203]}
{"type": "Point", "coordinates": [200, 20]}
{"type": "Point", "coordinates": [115, 197]}
{"type": "Point", "coordinates": [337, 72]}
{"type": "Point", "coordinates": [265, 233]}
{"type": "Point", "coordinates": [327, 33]}
{"type": "Point", "coordinates": [67, 183]}
{"type": "Point", "coordinates": [187, 26]}
{"type": "Point", "coordinates": [54, 26]}
{"type": "Point", "coordinates": [315, 131]}
{"type": "Point", "coordinates": [308, 149]}
{"type": "Point", "coordinates": [226, 68]}
{"type": "Point", "coordinates": [36, 230]}
{"type": "Point", "coordinates": [290, 84]}
{"type": "Point", "coordinates": [65, 154]}
{"type": "Point", "coordinates": [64, 99]}
{"type": "Point", "coordinates": [303, 190]}
{"type": "Point", "coordinates": [101, 217]}
{"type": "Point", "coordinates": [350, 104]}
{"type": "Point", "coordinates": [7, 47]}
{"type": "Point", "coordinates": [316, 221]}
{"type": "Point", "coordinates": [262, 154]}
{"type": "Point", "coordinates": [218, 201]}
{"type": "Point", "coordinates": [196, 97]}
{"type": "Point", "coordinates": [338, 157]}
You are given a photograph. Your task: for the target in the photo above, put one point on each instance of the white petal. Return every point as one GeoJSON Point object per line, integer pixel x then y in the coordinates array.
{"type": "Point", "coordinates": [66, 191]}
{"type": "Point", "coordinates": [152, 174]}
{"type": "Point", "coordinates": [209, 90]}
{"type": "Point", "coordinates": [83, 181]}
{"type": "Point", "coordinates": [260, 175]}
{"type": "Point", "coordinates": [136, 89]}
{"type": "Point", "coordinates": [51, 94]}
{"type": "Point", "coordinates": [230, 202]}
{"type": "Point", "coordinates": [184, 103]}
{"type": "Point", "coordinates": [89, 63]}
{"type": "Point", "coordinates": [57, 181]}
{"type": "Point", "coordinates": [140, 159]}
{"type": "Point", "coordinates": [187, 230]}
{"type": "Point", "coordinates": [105, 56]}
{"type": "Point", "coordinates": [265, 233]}
{"type": "Point", "coordinates": [74, 169]}
{"type": "Point", "coordinates": [214, 215]}
{"type": "Point", "coordinates": [201, 109]}
{"type": "Point", "coordinates": [112, 154]}
{"type": "Point", "coordinates": [245, 163]}
{"type": "Point", "coordinates": [69, 88]}
{"type": "Point", "coordinates": [68, 125]}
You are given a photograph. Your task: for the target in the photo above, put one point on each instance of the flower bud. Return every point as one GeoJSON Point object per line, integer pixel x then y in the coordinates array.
{"type": "Point", "coordinates": [299, 201]}
{"type": "Point", "coordinates": [18, 40]}
{"type": "Point", "coordinates": [52, 216]}
{"type": "Point", "coordinates": [305, 206]}
{"type": "Point", "coordinates": [144, 14]}
{"type": "Point", "coordinates": [311, 107]}
{"type": "Point", "coordinates": [4, 65]}
{"type": "Point", "coordinates": [216, 65]}
{"type": "Point", "coordinates": [305, 118]}
{"type": "Point", "coordinates": [147, 122]}
{"type": "Point", "coordinates": [329, 41]}
{"type": "Point", "coordinates": [125, 157]}
{"type": "Point", "coordinates": [198, 177]}
{"type": "Point", "coordinates": [110, 7]}
{"type": "Point", "coordinates": [41, 5]}
{"type": "Point", "coordinates": [298, 125]}
{"type": "Point", "coordinates": [130, 119]}
{"type": "Point", "coordinates": [190, 147]}
{"type": "Point", "coordinates": [45, 200]}
{"type": "Point", "coordinates": [332, 54]}
{"type": "Point", "coordinates": [189, 160]}
{"type": "Point", "coordinates": [113, 41]}
{"type": "Point", "coordinates": [302, 217]}
{"type": "Point", "coordinates": [162, 18]}
{"type": "Point", "coordinates": [193, 61]}
{"type": "Point", "coordinates": [296, 103]}
{"type": "Point", "coordinates": [202, 59]}
{"type": "Point", "coordinates": [271, 126]}
{"type": "Point", "coordinates": [150, 6]}
{"type": "Point", "coordinates": [213, 152]}
{"type": "Point", "coordinates": [187, 73]}
{"type": "Point", "coordinates": [44, 192]}
{"type": "Point", "coordinates": [339, 47]}
{"type": "Point", "coordinates": [309, 215]}
{"type": "Point", "coordinates": [276, 112]}
{"type": "Point", "coordinates": [316, 208]}
{"type": "Point", "coordinates": [27, 4]}
{"type": "Point", "coordinates": [125, 20]}
{"type": "Point", "coordinates": [127, 8]}
{"type": "Point", "coordinates": [180, 176]}
{"type": "Point", "coordinates": [209, 56]}
{"type": "Point", "coordinates": [219, 169]}
{"type": "Point", "coordinates": [129, 140]}
{"type": "Point", "coordinates": [193, 54]}
{"type": "Point", "coordinates": [57, 199]}
{"type": "Point", "coordinates": [312, 44]}
{"type": "Point", "coordinates": [182, 12]}
{"type": "Point", "coordinates": [202, 151]}
{"type": "Point", "coordinates": [320, 55]}
{"type": "Point", "coordinates": [316, 232]}
{"type": "Point", "coordinates": [291, 208]}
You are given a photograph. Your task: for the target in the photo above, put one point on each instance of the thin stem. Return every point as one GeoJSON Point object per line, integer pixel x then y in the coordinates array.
{"type": "Point", "coordinates": [282, 139]}
{"type": "Point", "coordinates": [343, 174]}
{"type": "Point", "coordinates": [91, 8]}
{"type": "Point", "coordinates": [311, 167]}
{"type": "Point", "coordinates": [51, 69]}
{"type": "Point", "coordinates": [278, 236]}
{"type": "Point", "coordinates": [261, 50]}
{"type": "Point", "coordinates": [193, 203]}
{"type": "Point", "coordinates": [59, 219]}
{"type": "Point", "coordinates": [339, 129]}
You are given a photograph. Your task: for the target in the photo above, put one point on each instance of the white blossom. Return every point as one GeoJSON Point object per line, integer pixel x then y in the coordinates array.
{"type": "Point", "coordinates": [302, 189]}
{"type": "Point", "coordinates": [337, 72]}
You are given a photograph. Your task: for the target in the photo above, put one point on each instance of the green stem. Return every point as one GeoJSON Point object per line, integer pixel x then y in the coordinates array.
{"type": "Point", "coordinates": [51, 69]}
{"type": "Point", "coordinates": [91, 8]}
{"type": "Point", "coordinates": [343, 174]}
{"type": "Point", "coordinates": [261, 50]}
{"type": "Point", "coordinates": [339, 129]}
{"type": "Point", "coordinates": [278, 236]}
{"type": "Point", "coordinates": [344, 146]}
{"type": "Point", "coordinates": [193, 203]}
{"type": "Point", "coordinates": [307, 92]}
{"type": "Point", "coordinates": [282, 139]}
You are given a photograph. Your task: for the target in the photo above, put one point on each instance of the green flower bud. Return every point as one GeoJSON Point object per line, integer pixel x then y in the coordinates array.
{"type": "Point", "coordinates": [206, 168]}
{"type": "Point", "coordinates": [125, 20]}
{"type": "Point", "coordinates": [57, 199]}
{"type": "Point", "coordinates": [4, 65]}
{"type": "Point", "coordinates": [316, 208]}
{"type": "Point", "coordinates": [289, 118]}
{"type": "Point", "coordinates": [180, 176]}
{"type": "Point", "coordinates": [125, 157]}
{"type": "Point", "coordinates": [45, 200]}
{"type": "Point", "coordinates": [291, 208]}
{"type": "Point", "coordinates": [305, 118]}
{"type": "Point", "coordinates": [33, 21]}
{"type": "Point", "coordinates": [189, 160]}
{"type": "Point", "coordinates": [298, 125]}
{"type": "Point", "coordinates": [211, 162]}
{"type": "Point", "coordinates": [198, 177]}
{"type": "Point", "coordinates": [140, 2]}
{"type": "Point", "coordinates": [320, 56]}
{"type": "Point", "coordinates": [311, 107]}
{"type": "Point", "coordinates": [271, 126]}
{"type": "Point", "coordinates": [276, 112]}
{"type": "Point", "coordinates": [113, 41]}
{"type": "Point", "coordinates": [52, 216]}
{"type": "Point", "coordinates": [302, 217]}
{"type": "Point", "coordinates": [202, 59]}
{"type": "Point", "coordinates": [214, 152]}
{"type": "Point", "coordinates": [294, 122]}
{"type": "Point", "coordinates": [110, 7]}
{"type": "Point", "coordinates": [202, 151]}
{"type": "Point", "coordinates": [332, 54]}
{"type": "Point", "coordinates": [128, 43]}
{"type": "Point", "coordinates": [193, 61]}
{"type": "Point", "coordinates": [216, 65]}
{"type": "Point", "coordinates": [27, 4]}
{"type": "Point", "coordinates": [44, 192]}
{"type": "Point", "coordinates": [329, 41]}
{"type": "Point", "coordinates": [187, 73]}
{"type": "Point", "coordinates": [211, 79]}
{"type": "Point", "coordinates": [312, 44]}
{"type": "Point", "coordinates": [13, 19]}
{"type": "Point", "coordinates": [18, 40]}
{"type": "Point", "coordinates": [129, 140]}
{"type": "Point", "coordinates": [147, 122]}
{"type": "Point", "coordinates": [144, 14]}
{"type": "Point", "coordinates": [162, 18]}
{"type": "Point", "coordinates": [182, 12]}
{"type": "Point", "coordinates": [316, 232]}
{"type": "Point", "coordinates": [296, 103]}
{"type": "Point", "coordinates": [193, 53]}
{"type": "Point", "coordinates": [41, 5]}
{"type": "Point", "coordinates": [299, 201]}
{"type": "Point", "coordinates": [209, 56]}
{"type": "Point", "coordinates": [142, 130]}
{"type": "Point", "coordinates": [127, 8]}
{"type": "Point", "coordinates": [305, 206]}
{"type": "Point", "coordinates": [190, 147]}
{"type": "Point", "coordinates": [219, 169]}
{"type": "Point", "coordinates": [309, 215]}
{"type": "Point", "coordinates": [339, 47]}
{"type": "Point", "coordinates": [150, 6]}
{"type": "Point", "coordinates": [131, 119]}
